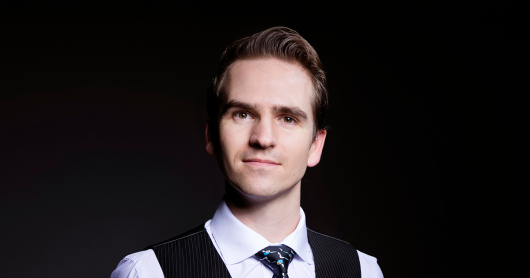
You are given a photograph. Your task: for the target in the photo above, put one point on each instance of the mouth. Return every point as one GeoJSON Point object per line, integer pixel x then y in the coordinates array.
{"type": "Point", "coordinates": [260, 162]}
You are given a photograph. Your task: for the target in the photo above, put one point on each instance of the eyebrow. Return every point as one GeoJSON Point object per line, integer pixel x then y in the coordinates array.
{"type": "Point", "coordinates": [293, 110]}
{"type": "Point", "coordinates": [237, 104]}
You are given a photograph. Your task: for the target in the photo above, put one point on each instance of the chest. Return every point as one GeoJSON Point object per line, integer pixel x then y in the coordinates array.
{"type": "Point", "coordinates": [196, 256]}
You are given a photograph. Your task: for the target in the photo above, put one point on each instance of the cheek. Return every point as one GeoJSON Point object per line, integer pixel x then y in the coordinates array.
{"type": "Point", "coordinates": [232, 140]}
{"type": "Point", "coordinates": [298, 151]}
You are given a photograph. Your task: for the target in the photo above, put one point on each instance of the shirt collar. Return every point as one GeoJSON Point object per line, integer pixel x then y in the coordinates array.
{"type": "Point", "coordinates": [238, 242]}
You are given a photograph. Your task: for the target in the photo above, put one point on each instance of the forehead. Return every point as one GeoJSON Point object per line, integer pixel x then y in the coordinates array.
{"type": "Point", "coordinates": [270, 82]}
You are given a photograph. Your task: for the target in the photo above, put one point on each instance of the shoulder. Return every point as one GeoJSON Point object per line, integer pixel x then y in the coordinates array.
{"type": "Point", "coordinates": [323, 243]}
{"type": "Point", "coordinates": [367, 258]}
{"type": "Point", "coordinates": [191, 234]}
{"type": "Point", "coordinates": [138, 265]}
{"type": "Point", "coordinates": [369, 266]}
{"type": "Point", "coordinates": [329, 241]}
{"type": "Point", "coordinates": [340, 257]}
{"type": "Point", "coordinates": [145, 263]}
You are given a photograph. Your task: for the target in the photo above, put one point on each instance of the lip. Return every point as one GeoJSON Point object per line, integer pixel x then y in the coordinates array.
{"type": "Point", "coordinates": [260, 162]}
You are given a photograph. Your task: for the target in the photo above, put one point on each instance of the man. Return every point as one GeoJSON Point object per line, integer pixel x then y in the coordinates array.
{"type": "Point", "coordinates": [266, 109]}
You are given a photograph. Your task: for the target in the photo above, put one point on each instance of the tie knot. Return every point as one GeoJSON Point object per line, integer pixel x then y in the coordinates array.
{"type": "Point", "coordinates": [277, 258]}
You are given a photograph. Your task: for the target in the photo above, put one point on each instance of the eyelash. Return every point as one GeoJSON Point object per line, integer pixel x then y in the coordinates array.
{"type": "Point", "coordinates": [235, 115]}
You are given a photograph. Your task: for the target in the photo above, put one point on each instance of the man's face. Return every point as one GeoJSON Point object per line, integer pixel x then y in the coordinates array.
{"type": "Point", "coordinates": [266, 127]}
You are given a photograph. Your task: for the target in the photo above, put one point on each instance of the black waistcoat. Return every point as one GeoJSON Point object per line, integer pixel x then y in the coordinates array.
{"type": "Point", "coordinates": [193, 254]}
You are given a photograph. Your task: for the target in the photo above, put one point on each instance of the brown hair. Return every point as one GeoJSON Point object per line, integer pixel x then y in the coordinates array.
{"type": "Point", "coordinates": [280, 43]}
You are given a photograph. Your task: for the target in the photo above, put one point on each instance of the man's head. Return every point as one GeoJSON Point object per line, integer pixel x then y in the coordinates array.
{"type": "Point", "coordinates": [266, 109]}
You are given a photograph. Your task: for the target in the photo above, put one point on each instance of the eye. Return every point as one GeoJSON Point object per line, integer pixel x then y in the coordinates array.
{"type": "Point", "coordinates": [288, 120]}
{"type": "Point", "coordinates": [242, 115]}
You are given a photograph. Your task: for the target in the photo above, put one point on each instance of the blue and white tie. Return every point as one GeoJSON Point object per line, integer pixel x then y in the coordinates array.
{"type": "Point", "coordinates": [277, 258]}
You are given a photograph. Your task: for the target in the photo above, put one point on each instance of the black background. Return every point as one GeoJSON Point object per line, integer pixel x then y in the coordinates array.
{"type": "Point", "coordinates": [103, 111]}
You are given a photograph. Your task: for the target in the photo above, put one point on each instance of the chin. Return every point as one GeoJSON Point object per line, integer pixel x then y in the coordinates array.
{"type": "Point", "coordinates": [260, 188]}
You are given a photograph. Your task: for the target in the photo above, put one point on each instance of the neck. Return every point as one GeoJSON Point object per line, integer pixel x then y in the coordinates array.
{"type": "Point", "coordinates": [274, 218]}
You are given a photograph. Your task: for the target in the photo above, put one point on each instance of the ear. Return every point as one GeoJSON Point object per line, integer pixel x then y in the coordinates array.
{"type": "Point", "coordinates": [316, 148]}
{"type": "Point", "coordinates": [209, 143]}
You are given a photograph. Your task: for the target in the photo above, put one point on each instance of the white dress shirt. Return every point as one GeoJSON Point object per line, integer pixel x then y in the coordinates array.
{"type": "Point", "coordinates": [236, 244]}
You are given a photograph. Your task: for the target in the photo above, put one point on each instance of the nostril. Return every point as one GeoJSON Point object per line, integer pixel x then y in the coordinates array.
{"type": "Point", "coordinates": [262, 135]}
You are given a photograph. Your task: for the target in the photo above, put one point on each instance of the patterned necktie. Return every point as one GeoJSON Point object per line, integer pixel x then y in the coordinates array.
{"type": "Point", "coordinates": [277, 258]}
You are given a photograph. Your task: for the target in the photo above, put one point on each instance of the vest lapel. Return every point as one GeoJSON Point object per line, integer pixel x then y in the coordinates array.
{"type": "Point", "coordinates": [190, 255]}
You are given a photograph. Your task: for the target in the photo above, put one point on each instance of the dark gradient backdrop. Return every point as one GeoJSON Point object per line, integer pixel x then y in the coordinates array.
{"type": "Point", "coordinates": [103, 113]}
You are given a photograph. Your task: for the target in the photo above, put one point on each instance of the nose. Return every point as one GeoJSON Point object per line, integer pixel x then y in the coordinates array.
{"type": "Point", "coordinates": [262, 135]}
